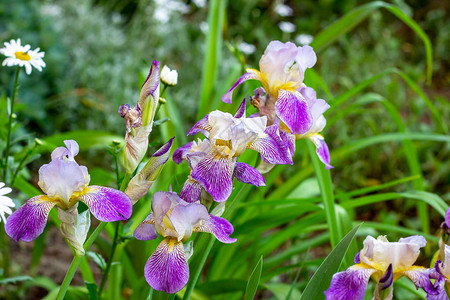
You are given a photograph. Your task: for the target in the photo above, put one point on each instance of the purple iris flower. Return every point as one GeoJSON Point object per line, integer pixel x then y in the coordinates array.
{"type": "Point", "coordinates": [441, 272]}
{"type": "Point", "coordinates": [64, 183]}
{"type": "Point", "coordinates": [385, 262]}
{"type": "Point", "coordinates": [213, 161]}
{"type": "Point", "coordinates": [175, 219]}
{"type": "Point", "coordinates": [282, 69]}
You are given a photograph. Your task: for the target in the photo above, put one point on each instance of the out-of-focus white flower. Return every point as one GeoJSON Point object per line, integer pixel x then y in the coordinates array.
{"type": "Point", "coordinates": [204, 27]}
{"type": "Point", "coordinates": [5, 202]}
{"type": "Point", "coordinates": [18, 55]}
{"type": "Point", "coordinates": [283, 10]}
{"type": "Point", "coordinates": [165, 9]}
{"type": "Point", "coordinates": [169, 77]}
{"type": "Point", "coordinates": [51, 9]}
{"type": "Point", "coordinates": [287, 26]}
{"type": "Point", "coordinates": [199, 3]}
{"type": "Point", "coordinates": [304, 39]}
{"type": "Point", "coordinates": [247, 48]}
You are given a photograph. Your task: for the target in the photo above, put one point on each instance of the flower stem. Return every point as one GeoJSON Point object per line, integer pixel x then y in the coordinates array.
{"type": "Point", "coordinates": [108, 266]}
{"type": "Point", "coordinates": [11, 111]}
{"type": "Point", "coordinates": [22, 162]}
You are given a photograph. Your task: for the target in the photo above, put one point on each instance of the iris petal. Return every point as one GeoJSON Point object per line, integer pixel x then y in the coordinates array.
{"type": "Point", "coordinates": [349, 285]}
{"type": "Point", "coordinates": [251, 74]}
{"type": "Point", "coordinates": [220, 227]}
{"type": "Point", "coordinates": [293, 110]}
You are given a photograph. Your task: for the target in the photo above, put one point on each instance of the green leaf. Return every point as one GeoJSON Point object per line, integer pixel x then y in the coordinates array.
{"type": "Point", "coordinates": [86, 139]}
{"type": "Point", "coordinates": [253, 282]}
{"type": "Point", "coordinates": [322, 277]}
{"type": "Point", "coordinates": [98, 259]}
{"type": "Point", "coordinates": [92, 289]}
{"type": "Point", "coordinates": [15, 279]}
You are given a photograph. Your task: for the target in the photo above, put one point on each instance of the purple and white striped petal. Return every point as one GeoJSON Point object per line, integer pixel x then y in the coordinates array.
{"type": "Point", "coordinates": [293, 110]}
{"type": "Point", "coordinates": [272, 148]}
{"type": "Point", "coordinates": [247, 174]}
{"type": "Point", "coordinates": [146, 230]}
{"type": "Point", "coordinates": [107, 204]}
{"type": "Point", "coordinates": [321, 149]}
{"type": "Point", "coordinates": [289, 140]}
{"type": "Point", "coordinates": [215, 174]}
{"type": "Point", "coordinates": [220, 227]}
{"type": "Point", "coordinates": [167, 269]}
{"type": "Point", "coordinates": [240, 113]}
{"type": "Point", "coordinates": [28, 222]}
{"type": "Point", "coordinates": [349, 285]}
{"type": "Point", "coordinates": [191, 191]}
{"type": "Point", "coordinates": [420, 276]}
{"type": "Point", "coordinates": [181, 152]}
{"type": "Point", "coordinates": [251, 74]}
{"type": "Point", "coordinates": [201, 126]}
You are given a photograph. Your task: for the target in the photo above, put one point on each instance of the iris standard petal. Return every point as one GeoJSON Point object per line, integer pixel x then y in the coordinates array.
{"type": "Point", "coordinates": [215, 174]}
{"type": "Point", "coordinates": [146, 230]}
{"type": "Point", "coordinates": [220, 227]}
{"type": "Point", "coordinates": [293, 110]}
{"type": "Point", "coordinates": [185, 217]}
{"type": "Point", "coordinates": [321, 149]}
{"type": "Point", "coordinates": [167, 269]}
{"type": "Point", "coordinates": [181, 152]}
{"type": "Point", "coordinates": [272, 148]}
{"type": "Point", "coordinates": [247, 174]}
{"type": "Point", "coordinates": [349, 285]}
{"type": "Point", "coordinates": [191, 191]}
{"type": "Point", "coordinates": [306, 57]}
{"type": "Point", "coordinates": [28, 222]}
{"type": "Point", "coordinates": [201, 126]}
{"type": "Point", "coordinates": [251, 74]}
{"type": "Point", "coordinates": [107, 204]}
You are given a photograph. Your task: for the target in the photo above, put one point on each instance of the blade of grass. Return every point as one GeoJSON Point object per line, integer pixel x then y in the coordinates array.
{"type": "Point", "coordinates": [253, 282]}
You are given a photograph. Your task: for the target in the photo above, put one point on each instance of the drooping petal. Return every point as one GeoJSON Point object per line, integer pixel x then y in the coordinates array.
{"type": "Point", "coordinates": [214, 173]}
{"type": "Point", "coordinates": [201, 126]}
{"type": "Point", "coordinates": [220, 227]}
{"type": "Point", "coordinates": [349, 285]}
{"type": "Point", "coordinates": [321, 149]}
{"type": "Point", "coordinates": [167, 269]}
{"type": "Point", "coordinates": [146, 230]}
{"type": "Point", "coordinates": [289, 140]}
{"type": "Point", "coordinates": [181, 152]}
{"type": "Point", "coordinates": [28, 222]}
{"type": "Point", "coordinates": [247, 174]}
{"type": "Point", "coordinates": [185, 217]}
{"type": "Point", "coordinates": [141, 183]}
{"type": "Point", "coordinates": [241, 109]}
{"type": "Point", "coordinates": [191, 191]}
{"type": "Point", "coordinates": [107, 204]}
{"type": "Point", "coordinates": [421, 279]}
{"type": "Point", "coordinates": [439, 284]}
{"type": "Point", "coordinates": [251, 74]}
{"type": "Point", "coordinates": [272, 148]}
{"type": "Point", "coordinates": [293, 110]}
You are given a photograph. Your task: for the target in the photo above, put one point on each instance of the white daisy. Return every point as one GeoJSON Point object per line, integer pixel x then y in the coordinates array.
{"type": "Point", "coordinates": [18, 55]}
{"type": "Point", "coordinates": [5, 202]}
{"type": "Point", "coordinates": [169, 77]}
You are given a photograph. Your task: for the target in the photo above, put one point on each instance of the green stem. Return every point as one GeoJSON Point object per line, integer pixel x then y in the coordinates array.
{"type": "Point", "coordinates": [326, 189]}
{"type": "Point", "coordinates": [108, 266]}
{"type": "Point", "coordinates": [150, 294]}
{"type": "Point", "coordinates": [22, 162]}
{"type": "Point", "coordinates": [11, 112]}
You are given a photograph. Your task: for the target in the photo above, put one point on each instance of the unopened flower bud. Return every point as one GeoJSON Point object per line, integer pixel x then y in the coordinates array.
{"type": "Point", "coordinates": [169, 77]}
{"type": "Point", "coordinates": [74, 227]}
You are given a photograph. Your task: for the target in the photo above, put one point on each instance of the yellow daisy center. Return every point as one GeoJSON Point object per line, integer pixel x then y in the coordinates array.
{"type": "Point", "coordinates": [22, 55]}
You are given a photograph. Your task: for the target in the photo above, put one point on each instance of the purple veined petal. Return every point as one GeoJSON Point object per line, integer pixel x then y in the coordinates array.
{"type": "Point", "coordinates": [420, 276]}
{"type": "Point", "coordinates": [28, 222]}
{"type": "Point", "coordinates": [215, 174]}
{"type": "Point", "coordinates": [146, 230]}
{"type": "Point", "coordinates": [194, 158]}
{"type": "Point", "coordinates": [350, 284]}
{"type": "Point", "coordinates": [191, 191]}
{"type": "Point", "coordinates": [272, 148]}
{"type": "Point", "coordinates": [220, 227]}
{"type": "Point", "coordinates": [293, 110]}
{"type": "Point", "coordinates": [201, 126]}
{"type": "Point", "coordinates": [167, 269]}
{"type": "Point", "coordinates": [289, 140]}
{"type": "Point", "coordinates": [151, 84]}
{"type": "Point", "coordinates": [356, 259]}
{"type": "Point", "coordinates": [251, 74]}
{"type": "Point", "coordinates": [240, 113]}
{"type": "Point", "coordinates": [321, 149]}
{"type": "Point", "coordinates": [181, 152]}
{"type": "Point", "coordinates": [438, 291]}
{"type": "Point", "coordinates": [247, 174]}
{"type": "Point", "coordinates": [107, 204]}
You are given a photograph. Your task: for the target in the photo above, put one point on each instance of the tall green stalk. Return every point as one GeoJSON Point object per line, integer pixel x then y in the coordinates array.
{"type": "Point", "coordinates": [10, 112]}
{"type": "Point", "coordinates": [326, 189]}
